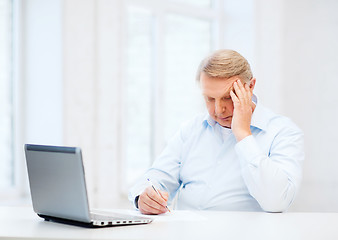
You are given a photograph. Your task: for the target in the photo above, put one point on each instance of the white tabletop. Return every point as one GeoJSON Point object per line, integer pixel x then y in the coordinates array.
{"type": "Point", "coordinates": [23, 223]}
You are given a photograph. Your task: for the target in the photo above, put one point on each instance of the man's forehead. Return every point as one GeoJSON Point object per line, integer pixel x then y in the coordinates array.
{"type": "Point", "coordinates": [217, 93]}
{"type": "Point", "coordinates": [217, 87]}
{"type": "Point", "coordinates": [207, 80]}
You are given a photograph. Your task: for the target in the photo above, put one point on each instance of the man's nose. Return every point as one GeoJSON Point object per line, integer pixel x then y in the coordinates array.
{"type": "Point", "coordinates": [219, 107]}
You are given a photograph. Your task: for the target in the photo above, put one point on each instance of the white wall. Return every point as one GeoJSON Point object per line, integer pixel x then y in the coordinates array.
{"type": "Point", "coordinates": [310, 95]}
{"type": "Point", "coordinates": [268, 28]}
{"type": "Point", "coordinates": [296, 58]}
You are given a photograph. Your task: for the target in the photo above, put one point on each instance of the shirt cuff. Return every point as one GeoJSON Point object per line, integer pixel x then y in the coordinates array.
{"type": "Point", "coordinates": [136, 191]}
{"type": "Point", "coordinates": [136, 201]}
{"type": "Point", "coordinates": [248, 151]}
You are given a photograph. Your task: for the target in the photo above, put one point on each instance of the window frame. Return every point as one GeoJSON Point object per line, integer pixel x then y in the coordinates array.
{"type": "Point", "coordinates": [18, 192]}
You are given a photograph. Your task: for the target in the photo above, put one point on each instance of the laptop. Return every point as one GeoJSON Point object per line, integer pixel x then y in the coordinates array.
{"type": "Point", "coordinates": [58, 188]}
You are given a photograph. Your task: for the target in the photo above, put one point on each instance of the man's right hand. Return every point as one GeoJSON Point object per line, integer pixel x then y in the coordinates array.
{"type": "Point", "coordinates": [150, 202]}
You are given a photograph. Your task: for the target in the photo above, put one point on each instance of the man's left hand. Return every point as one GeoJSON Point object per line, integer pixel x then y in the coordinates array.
{"type": "Point", "coordinates": [241, 118]}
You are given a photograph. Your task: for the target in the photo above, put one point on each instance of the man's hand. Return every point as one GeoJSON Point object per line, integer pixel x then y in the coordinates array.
{"type": "Point", "coordinates": [241, 118]}
{"type": "Point", "coordinates": [150, 202]}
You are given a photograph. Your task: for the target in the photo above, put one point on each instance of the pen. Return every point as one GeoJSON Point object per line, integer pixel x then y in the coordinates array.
{"type": "Point", "coordinates": [152, 185]}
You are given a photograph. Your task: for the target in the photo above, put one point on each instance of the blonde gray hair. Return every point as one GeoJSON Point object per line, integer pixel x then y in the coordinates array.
{"type": "Point", "coordinates": [225, 63]}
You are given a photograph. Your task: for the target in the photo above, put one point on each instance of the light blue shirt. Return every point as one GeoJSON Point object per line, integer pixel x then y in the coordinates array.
{"type": "Point", "coordinates": [209, 170]}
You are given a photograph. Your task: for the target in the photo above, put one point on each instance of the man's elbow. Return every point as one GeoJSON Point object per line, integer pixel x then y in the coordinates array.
{"type": "Point", "coordinates": [275, 203]}
{"type": "Point", "coordinates": [277, 199]}
{"type": "Point", "coordinates": [275, 206]}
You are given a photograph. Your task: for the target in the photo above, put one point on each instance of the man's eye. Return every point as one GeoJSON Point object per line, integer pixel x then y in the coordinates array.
{"type": "Point", "coordinates": [226, 98]}
{"type": "Point", "coordinates": [210, 99]}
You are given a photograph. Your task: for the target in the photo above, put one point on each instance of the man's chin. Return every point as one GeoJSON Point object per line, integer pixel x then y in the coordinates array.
{"type": "Point", "coordinates": [225, 123]}
{"type": "Point", "coordinates": [225, 126]}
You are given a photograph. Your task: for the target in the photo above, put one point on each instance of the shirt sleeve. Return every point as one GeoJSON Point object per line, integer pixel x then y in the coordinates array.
{"type": "Point", "coordinates": [164, 173]}
{"type": "Point", "coordinates": [273, 180]}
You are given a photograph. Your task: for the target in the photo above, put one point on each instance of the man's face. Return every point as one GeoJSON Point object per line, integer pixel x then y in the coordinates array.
{"type": "Point", "coordinates": [216, 93]}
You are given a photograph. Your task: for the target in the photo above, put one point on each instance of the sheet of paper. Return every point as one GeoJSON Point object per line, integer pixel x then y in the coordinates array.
{"type": "Point", "coordinates": [177, 216]}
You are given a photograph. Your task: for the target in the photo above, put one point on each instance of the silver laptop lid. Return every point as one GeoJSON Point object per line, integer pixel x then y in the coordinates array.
{"type": "Point", "coordinates": [57, 182]}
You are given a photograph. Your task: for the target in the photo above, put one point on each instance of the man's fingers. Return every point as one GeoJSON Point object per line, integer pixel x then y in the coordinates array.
{"type": "Point", "coordinates": [243, 93]}
{"type": "Point", "coordinates": [148, 205]}
{"type": "Point", "coordinates": [234, 97]}
{"type": "Point", "coordinates": [146, 209]}
{"type": "Point", "coordinates": [150, 202]}
{"type": "Point", "coordinates": [155, 197]}
{"type": "Point", "coordinates": [150, 210]}
{"type": "Point", "coordinates": [248, 91]}
{"type": "Point", "coordinates": [240, 90]}
{"type": "Point", "coordinates": [164, 195]}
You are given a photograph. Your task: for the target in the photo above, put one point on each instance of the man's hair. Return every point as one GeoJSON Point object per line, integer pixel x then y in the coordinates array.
{"type": "Point", "coordinates": [225, 63]}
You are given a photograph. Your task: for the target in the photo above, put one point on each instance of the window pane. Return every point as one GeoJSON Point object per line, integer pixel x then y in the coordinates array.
{"type": "Point", "coordinates": [138, 89]}
{"type": "Point", "coordinates": [6, 153]}
{"type": "Point", "coordinates": [197, 3]}
{"type": "Point", "coordinates": [187, 42]}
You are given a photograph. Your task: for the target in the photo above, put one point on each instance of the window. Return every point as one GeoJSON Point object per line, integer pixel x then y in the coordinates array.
{"type": "Point", "coordinates": [187, 41]}
{"type": "Point", "coordinates": [6, 98]}
{"type": "Point", "coordinates": [164, 47]}
{"type": "Point", "coordinates": [198, 3]}
{"type": "Point", "coordinates": [139, 90]}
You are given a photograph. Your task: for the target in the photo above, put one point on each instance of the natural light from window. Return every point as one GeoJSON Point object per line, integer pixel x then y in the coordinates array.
{"type": "Point", "coordinates": [164, 49]}
{"type": "Point", "coordinates": [6, 147]}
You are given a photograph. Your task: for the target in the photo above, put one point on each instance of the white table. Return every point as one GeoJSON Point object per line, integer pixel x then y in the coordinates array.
{"type": "Point", "coordinates": [23, 223]}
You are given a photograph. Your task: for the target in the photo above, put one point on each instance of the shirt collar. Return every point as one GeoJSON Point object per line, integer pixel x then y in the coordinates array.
{"type": "Point", "coordinates": [207, 120]}
{"type": "Point", "coordinates": [258, 118]}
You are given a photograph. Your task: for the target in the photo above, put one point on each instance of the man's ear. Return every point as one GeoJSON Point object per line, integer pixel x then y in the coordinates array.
{"type": "Point", "coordinates": [252, 84]}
